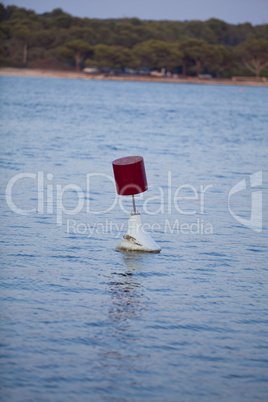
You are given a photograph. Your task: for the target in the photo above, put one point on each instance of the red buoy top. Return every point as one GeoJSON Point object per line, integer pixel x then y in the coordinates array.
{"type": "Point", "coordinates": [130, 176]}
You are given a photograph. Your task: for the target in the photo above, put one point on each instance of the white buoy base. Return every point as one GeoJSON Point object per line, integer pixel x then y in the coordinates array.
{"type": "Point", "coordinates": [136, 239]}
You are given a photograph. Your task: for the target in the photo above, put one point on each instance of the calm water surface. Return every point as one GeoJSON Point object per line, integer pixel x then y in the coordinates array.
{"type": "Point", "coordinates": [82, 322]}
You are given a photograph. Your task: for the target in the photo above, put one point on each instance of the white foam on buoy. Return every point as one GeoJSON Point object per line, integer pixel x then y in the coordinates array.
{"type": "Point", "coordinates": [136, 239]}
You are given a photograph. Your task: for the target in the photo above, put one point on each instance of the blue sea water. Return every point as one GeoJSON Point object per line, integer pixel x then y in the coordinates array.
{"type": "Point", "coordinates": [82, 322]}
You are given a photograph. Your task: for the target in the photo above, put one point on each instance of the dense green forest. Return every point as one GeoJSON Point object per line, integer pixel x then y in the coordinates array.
{"type": "Point", "coordinates": [57, 40]}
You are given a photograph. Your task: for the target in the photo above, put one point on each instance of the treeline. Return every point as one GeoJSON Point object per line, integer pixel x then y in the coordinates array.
{"type": "Point", "coordinates": [58, 40]}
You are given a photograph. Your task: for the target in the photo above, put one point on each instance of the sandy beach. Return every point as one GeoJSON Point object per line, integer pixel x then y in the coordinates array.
{"type": "Point", "coordinates": [27, 72]}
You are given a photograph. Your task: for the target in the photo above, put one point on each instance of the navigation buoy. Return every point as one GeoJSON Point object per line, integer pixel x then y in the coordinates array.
{"type": "Point", "coordinates": [130, 179]}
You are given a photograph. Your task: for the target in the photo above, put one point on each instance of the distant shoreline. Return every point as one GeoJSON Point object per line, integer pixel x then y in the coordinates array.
{"type": "Point", "coordinates": [28, 72]}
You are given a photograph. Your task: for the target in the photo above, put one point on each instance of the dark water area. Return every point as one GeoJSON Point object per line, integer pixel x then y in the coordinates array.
{"type": "Point", "coordinates": [82, 322]}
